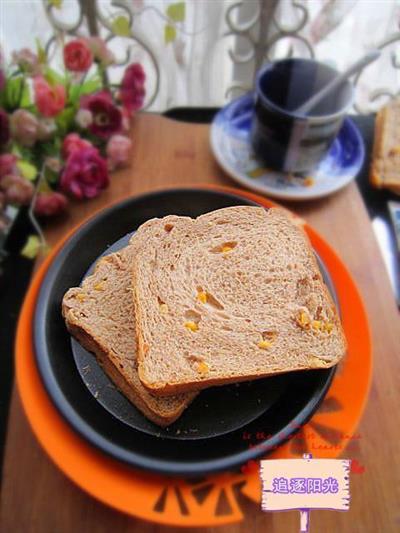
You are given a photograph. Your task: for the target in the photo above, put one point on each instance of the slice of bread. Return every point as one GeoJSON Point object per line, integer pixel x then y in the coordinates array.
{"type": "Point", "coordinates": [100, 316]}
{"type": "Point", "coordinates": [231, 296]}
{"type": "Point", "coordinates": [385, 164]}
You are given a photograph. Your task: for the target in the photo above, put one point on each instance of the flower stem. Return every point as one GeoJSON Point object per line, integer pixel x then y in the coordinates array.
{"type": "Point", "coordinates": [31, 212]}
{"type": "Point", "coordinates": [103, 75]}
{"type": "Point", "coordinates": [21, 92]}
{"type": "Point", "coordinates": [81, 85]}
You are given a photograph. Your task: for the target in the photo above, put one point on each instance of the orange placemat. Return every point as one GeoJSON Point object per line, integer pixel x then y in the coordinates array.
{"type": "Point", "coordinates": [195, 502]}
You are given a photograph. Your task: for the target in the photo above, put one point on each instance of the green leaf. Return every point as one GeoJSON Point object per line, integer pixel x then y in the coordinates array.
{"type": "Point", "coordinates": [26, 100]}
{"type": "Point", "coordinates": [53, 77]}
{"type": "Point", "coordinates": [56, 3]}
{"type": "Point", "coordinates": [120, 26]}
{"type": "Point", "coordinates": [169, 34]}
{"type": "Point", "coordinates": [27, 170]}
{"type": "Point", "coordinates": [16, 150]}
{"type": "Point", "coordinates": [73, 94]}
{"type": "Point", "coordinates": [23, 152]}
{"type": "Point", "coordinates": [89, 87]}
{"type": "Point", "coordinates": [41, 52]}
{"type": "Point", "coordinates": [65, 120]}
{"type": "Point", "coordinates": [49, 148]}
{"type": "Point", "coordinates": [44, 185]}
{"type": "Point", "coordinates": [16, 93]}
{"type": "Point", "coordinates": [51, 178]}
{"type": "Point", "coordinates": [176, 12]}
{"type": "Point", "coordinates": [31, 247]}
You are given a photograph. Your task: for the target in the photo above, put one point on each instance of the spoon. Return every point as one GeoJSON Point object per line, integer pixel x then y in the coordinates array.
{"type": "Point", "coordinates": [333, 84]}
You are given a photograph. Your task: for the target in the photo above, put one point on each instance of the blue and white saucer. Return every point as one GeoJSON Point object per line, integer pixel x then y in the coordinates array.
{"type": "Point", "coordinates": [230, 143]}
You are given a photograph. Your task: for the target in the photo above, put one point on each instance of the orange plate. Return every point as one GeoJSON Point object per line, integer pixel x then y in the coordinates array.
{"type": "Point", "coordinates": [176, 501]}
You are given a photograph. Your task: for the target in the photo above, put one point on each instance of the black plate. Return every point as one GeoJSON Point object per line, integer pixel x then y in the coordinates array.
{"type": "Point", "coordinates": [294, 397]}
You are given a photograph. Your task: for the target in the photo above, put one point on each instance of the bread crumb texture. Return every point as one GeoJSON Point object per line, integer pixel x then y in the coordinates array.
{"type": "Point", "coordinates": [265, 310]}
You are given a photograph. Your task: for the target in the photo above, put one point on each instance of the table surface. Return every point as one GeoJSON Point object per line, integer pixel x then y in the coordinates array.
{"type": "Point", "coordinates": [37, 497]}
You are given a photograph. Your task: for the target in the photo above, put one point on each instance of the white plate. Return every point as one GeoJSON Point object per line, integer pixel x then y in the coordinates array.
{"type": "Point", "coordinates": [230, 143]}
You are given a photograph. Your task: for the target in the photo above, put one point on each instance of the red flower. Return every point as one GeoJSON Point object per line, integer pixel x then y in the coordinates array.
{"type": "Point", "coordinates": [48, 204]}
{"type": "Point", "coordinates": [50, 100]}
{"type": "Point", "coordinates": [85, 174]}
{"type": "Point", "coordinates": [132, 91]}
{"type": "Point", "coordinates": [8, 164]}
{"type": "Point", "coordinates": [73, 142]}
{"type": "Point", "coordinates": [77, 56]}
{"type": "Point", "coordinates": [107, 118]}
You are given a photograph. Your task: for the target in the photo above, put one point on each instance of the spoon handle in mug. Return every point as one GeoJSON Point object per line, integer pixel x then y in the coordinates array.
{"type": "Point", "coordinates": [320, 95]}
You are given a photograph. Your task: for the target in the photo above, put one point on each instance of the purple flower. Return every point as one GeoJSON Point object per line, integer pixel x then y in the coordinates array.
{"type": "Point", "coordinates": [107, 118]}
{"type": "Point", "coordinates": [132, 91]}
{"type": "Point", "coordinates": [85, 173]}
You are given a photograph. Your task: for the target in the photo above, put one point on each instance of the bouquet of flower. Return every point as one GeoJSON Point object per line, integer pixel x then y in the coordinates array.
{"type": "Point", "coordinates": [61, 134]}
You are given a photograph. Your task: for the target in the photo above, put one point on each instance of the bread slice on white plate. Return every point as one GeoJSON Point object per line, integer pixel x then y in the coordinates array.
{"type": "Point", "coordinates": [100, 316]}
{"type": "Point", "coordinates": [233, 295]}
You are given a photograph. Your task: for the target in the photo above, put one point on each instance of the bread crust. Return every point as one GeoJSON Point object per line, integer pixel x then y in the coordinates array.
{"type": "Point", "coordinates": [90, 343]}
{"type": "Point", "coordinates": [382, 148]}
{"type": "Point", "coordinates": [90, 338]}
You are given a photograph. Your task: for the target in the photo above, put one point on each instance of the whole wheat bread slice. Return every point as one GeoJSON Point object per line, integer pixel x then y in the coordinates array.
{"type": "Point", "coordinates": [100, 316]}
{"type": "Point", "coordinates": [233, 295]}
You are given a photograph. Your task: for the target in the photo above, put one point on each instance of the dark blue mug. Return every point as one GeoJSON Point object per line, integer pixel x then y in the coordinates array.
{"type": "Point", "coordinates": [283, 139]}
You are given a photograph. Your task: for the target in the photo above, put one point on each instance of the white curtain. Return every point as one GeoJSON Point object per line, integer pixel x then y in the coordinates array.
{"type": "Point", "coordinates": [218, 45]}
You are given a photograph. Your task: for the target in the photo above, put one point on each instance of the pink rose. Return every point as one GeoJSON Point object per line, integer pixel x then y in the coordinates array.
{"type": "Point", "coordinates": [48, 204]}
{"type": "Point", "coordinates": [132, 91]}
{"type": "Point", "coordinates": [72, 143]}
{"type": "Point", "coordinates": [8, 164]}
{"type": "Point", "coordinates": [17, 190]}
{"type": "Point", "coordinates": [53, 164]}
{"type": "Point", "coordinates": [85, 174]}
{"type": "Point", "coordinates": [107, 118]}
{"type": "Point", "coordinates": [118, 151]}
{"type": "Point", "coordinates": [50, 99]}
{"type": "Point", "coordinates": [24, 127]}
{"type": "Point", "coordinates": [27, 61]}
{"type": "Point", "coordinates": [84, 118]}
{"type": "Point", "coordinates": [100, 51]}
{"type": "Point", "coordinates": [47, 128]}
{"type": "Point", "coordinates": [77, 56]}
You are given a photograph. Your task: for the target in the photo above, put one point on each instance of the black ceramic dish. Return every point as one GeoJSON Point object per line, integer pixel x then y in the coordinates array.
{"type": "Point", "coordinates": [126, 434]}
